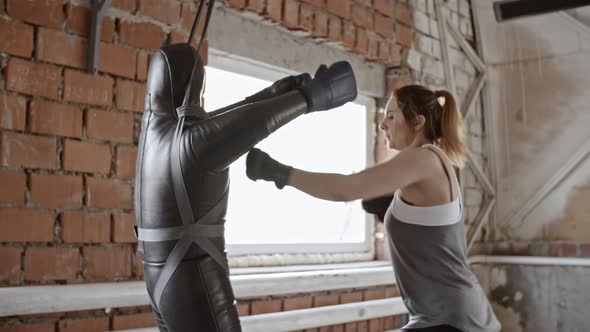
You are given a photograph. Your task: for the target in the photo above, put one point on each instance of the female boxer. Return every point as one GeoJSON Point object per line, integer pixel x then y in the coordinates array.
{"type": "Point", "coordinates": [423, 220]}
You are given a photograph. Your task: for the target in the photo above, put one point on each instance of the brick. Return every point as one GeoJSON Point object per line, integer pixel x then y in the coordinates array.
{"type": "Point", "coordinates": [83, 88]}
{"type": "Point", "coordinates": [130, 95]}
{"type": "Point", "coordinates": [362, 41]}
{"type": "Point", "coordinates": [421, 22]}
{"type": "Point", "coordinates": [351, 327]}
{"type": "Point", "coordinates": [264, 307]}
{"type": "Point", "coordinates": [386, 7]}
{"type": "Point", "coordinates": [189, 12]}
{"type": "Point", "coordinates": [395, 54]}
{"type": "Point", "coordinates": [39, 327]}
{"type": "Point", "coordinates": [128, 5]}
{"type": "Point", "coordinates": [237, 3]}
{"type": "Point", "coordinates": [334, 328]}
{"type": "Point", "coordinates": [204, 52]}
{"type": "Point", "coordinates": [383, 54]}
{"type": "Point", "coordinates": [256, 6]}
{"type": "Point", "coordinates": [78, 20]}
{"type": "Point", "coordinates": [374, 294]}
{"type": "Point", "coordinates": [384, 26]}
{"type": "Point", "coordinates": [39, 12]}
{"type": "Point", "coordinates": [135, 321]}
{"type": "Point", "coordinates": [298, 303]}
{"type": "Point", "coordinates": [37, 79]}
{"type": "Point", "coordinates": [362, 16]}
{"type": "Point", "coordinates": [363, 326]}
{"type": "Point", "coordinates": [49, 190]}
{"type": "Point", "coordinates": [13, 112]}
{"type": "Point", "coordinates": [13, 187]}
{"type": "Point", "coordinates": [388, 323]}
{"type": "Point", "coordinates": [21, 150]}
{"type": "Point", "coordinates": [291, 14]}
{"type": "Point", "coordinates": [348, 35]}
{"type": "Point", "coordinates": [404, 35]}
{"type": "Point", "coordinates": [106, 262]}
{"type": "Point", "coordinates": [55, 119]}
{"type": "Point", "coordinates": [166, 11]}
{"type": "Point", "coordinates": [108, 193]}
{"type": "Point", "coordinates": [320, 27]}
{"type": "Point", "coordinates": [117, 60]}
{"type": "Point", "coordinates": [125, 162]}
{"type": "Point", "coordinates": [141, 35]}
{"type": "Point", "coordinates": [275, 10]}
{"type": "Point", "coordinates": [176, 37]}
{"type": "Point", "coordinates": [10, 267]}
{"type": "Point", "coordinates": [142, 66]}
{"type": "Point", "coordinates": [243, 309]}
{"type": "Point", "coordinates": [351, 297]}
{"type": "Point", "coordinates": [403, 14]}
{"type": "Point", "coordinates": [93, 324]}
{"type": "Point", "coordinates": [585, 250]}
{"type": "Point", "coordinates": [109, 125]}
{"type": "Point", "coordinates": [61, 48]}
{"type": "Point", "coordinates": [16, 38]}
{"type": "Point", "coordinates": [334, 29]}
{"type": "Point", "coordinates": [339, 7]}
{"type": "Point", "coordinates": [391, 292]}
{"type": "Point", "coordinates": [85, 227]}
{"type": "Point", "coordinates": [123, 228]}
{"type": "Point", "coordinates": [137, 265]}
{"type": "Point", "coordinates": [86, 157]}
{"type": "Point", "coordinates": [317, 3]}
{"type": "Point", "coordinates": [569, 250]}
{"type": "Point", "coordinates": [372, 48]}
{"type": "Point", "coordinates": [306, 17]}
{"type": "Point", "coordinates": [26, 225]}
{"type": "Point", "coordinates": [325, 300]}
{"type": "Point", "coordinates": [48, 263]}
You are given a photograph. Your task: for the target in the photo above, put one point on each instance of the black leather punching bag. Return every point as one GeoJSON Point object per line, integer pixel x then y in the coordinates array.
{"type": "Point", "coordinates": [182, 182]}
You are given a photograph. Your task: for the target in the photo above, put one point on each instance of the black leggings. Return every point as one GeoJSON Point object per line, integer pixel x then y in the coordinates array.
{"type": "Point", "coordinates": [438, 328]}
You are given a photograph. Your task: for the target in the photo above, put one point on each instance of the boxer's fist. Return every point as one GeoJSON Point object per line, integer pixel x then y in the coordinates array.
{"type": "Point", "coordinates": [259, 165]}
{"type": "Point", "coordinates": [377, 206]}
{"type": "Point", "coordinates": [331, 87]}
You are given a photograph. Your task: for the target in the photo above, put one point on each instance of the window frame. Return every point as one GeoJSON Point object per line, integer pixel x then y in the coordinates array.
{"type": "Point", "coordinates": [244, 66]}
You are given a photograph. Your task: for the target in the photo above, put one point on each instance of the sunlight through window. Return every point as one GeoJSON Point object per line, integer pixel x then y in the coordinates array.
{"type": "Point", "coordinates": [332, 141]}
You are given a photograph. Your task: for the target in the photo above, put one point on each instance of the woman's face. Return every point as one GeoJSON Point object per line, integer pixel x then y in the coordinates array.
{"type": "Point", "coordinates": [394, 125]}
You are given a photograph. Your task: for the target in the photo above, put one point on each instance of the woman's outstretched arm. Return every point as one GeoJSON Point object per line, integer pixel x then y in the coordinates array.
{"type": "Point", "coordinates": [407, 167]}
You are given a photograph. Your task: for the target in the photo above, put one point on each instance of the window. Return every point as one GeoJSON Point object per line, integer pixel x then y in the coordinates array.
{"type": "Point", "coordinates": [262, 219]}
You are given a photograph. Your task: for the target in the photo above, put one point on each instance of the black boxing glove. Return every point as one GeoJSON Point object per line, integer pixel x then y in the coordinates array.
{"type": "Point", "coordinates": [331, 87]}
{"type": "Point", "coordinates": [259, 165]}
{"type": "Point", "coordinates": [377, 206]}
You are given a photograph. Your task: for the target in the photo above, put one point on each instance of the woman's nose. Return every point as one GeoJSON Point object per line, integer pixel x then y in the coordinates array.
{"type": "Point", "coordinates": [382, 124]}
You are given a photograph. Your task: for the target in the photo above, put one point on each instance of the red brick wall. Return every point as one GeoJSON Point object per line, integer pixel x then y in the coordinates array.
{"type": "Point", "coordinates": [68, 139]}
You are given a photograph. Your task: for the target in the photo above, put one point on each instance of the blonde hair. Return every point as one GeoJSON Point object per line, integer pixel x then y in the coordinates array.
{"type": "Point", "coordinates": [444, 123]}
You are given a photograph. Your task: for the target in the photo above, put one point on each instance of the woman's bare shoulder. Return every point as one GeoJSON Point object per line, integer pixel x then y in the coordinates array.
{"type": "Point", "coordinates": [419, 157]}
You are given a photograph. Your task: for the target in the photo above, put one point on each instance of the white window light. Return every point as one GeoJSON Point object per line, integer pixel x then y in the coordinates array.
{"type": "Point", "coordinates": [264, 220]}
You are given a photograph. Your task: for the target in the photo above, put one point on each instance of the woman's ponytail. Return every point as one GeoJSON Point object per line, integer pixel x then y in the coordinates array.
{"type": "Point", "coordinates": [451, 128]}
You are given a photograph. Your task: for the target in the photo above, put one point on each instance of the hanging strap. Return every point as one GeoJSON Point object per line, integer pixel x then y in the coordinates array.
{"type": "Point", "coordinates": [186, 101]}
{"type": "Point", "coordinates": [190, 232]}
{"type": "Point", "coordinates": [198, 233]}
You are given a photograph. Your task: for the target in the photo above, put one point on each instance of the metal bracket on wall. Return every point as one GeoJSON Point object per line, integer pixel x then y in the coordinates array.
{"type": "Point", "coordinates": [445, 29]}
{"type": "Point", "coordinates": [98, 9]}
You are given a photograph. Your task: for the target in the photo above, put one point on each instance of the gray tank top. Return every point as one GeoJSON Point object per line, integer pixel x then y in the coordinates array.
{"type": "Point", "coordinates": [429, 256]}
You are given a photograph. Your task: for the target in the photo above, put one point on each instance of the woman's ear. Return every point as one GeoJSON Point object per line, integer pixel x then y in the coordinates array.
{"type": "Point", "coordinates": [420, 121]}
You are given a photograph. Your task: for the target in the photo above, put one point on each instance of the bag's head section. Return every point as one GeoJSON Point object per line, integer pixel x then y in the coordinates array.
{"type": "Point", "coordinates": [168, 77]}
